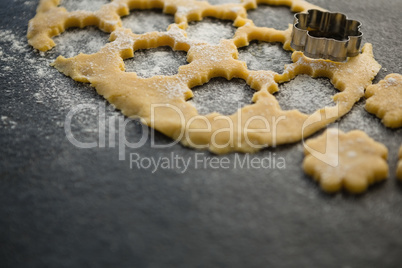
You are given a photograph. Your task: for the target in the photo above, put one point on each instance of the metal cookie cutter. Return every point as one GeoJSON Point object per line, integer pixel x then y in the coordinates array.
{"type": "Point", "coordinates": [326, 35]}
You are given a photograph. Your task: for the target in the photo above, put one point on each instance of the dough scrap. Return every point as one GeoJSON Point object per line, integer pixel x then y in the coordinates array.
{"type": "Point", "coordinates": [385, 100]}
{"type": "Point", "coordinates": [161, 101]}
{"type": "Point", "coordinates": [399, 169]}
{"type": "Point", "coordinates": [352, 161]}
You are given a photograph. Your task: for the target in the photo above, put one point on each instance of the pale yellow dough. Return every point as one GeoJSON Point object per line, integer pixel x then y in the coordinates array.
{"type": "Point", "coordinates": [351, 161]}
{"type": "Point", "coordinates": [134, 96]}
{"type": "Point", "coordinates": [385, 100]}
{"type": "Point", "coordinates": [399, 169]}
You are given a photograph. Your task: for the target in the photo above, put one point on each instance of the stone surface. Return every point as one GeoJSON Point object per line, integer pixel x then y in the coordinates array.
{"type": "Point", "coordinates": [62, 206]}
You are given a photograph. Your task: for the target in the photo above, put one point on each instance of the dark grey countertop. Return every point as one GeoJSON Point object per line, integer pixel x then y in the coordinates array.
{"type": "Point", "coordinates": [61, 206]}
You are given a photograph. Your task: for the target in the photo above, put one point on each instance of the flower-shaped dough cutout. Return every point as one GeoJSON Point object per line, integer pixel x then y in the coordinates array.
{"type": "Point", "coordinates": [351, 161]}
{"type": "Point", "coordinates": [385, 100]}
{"type": "Point", "coordinates": [399, 169]}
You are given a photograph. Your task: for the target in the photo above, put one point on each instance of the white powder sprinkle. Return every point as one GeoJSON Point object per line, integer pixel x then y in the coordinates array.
{"type": "Point", "coordinates": [265, 56]}
{"type": "Point", "coordinates": [306, 94]}
{"type": "Point", "coordinates": [391, 81]}
{"type": "Point", "coordinates": [75, 41]}
{"type": "Point", "coordinates": [51, 87]}
{"type": "Point", "coordinates": [41, 82]}
{"type": "Point", "coordinates": [221, 2]}
{"type": "Point", "coordinates": [211, 30]}
{"type": "Point", "coordinates": [156, 61]}
{"type": "Point", "coordinates": [222, 96]}
{"type": "Point", "coordinates": [6, 122]}
{"type": "Point", "coordinates": [87, 5]}
{"type": "Point", "coordinates": [278, 17]}
{"type": "Point", "coordinates": [143, 21]}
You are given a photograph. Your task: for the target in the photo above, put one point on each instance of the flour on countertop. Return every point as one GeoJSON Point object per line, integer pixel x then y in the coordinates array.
{"type": "Point", "coordinates": [75, 41]}
{"type": "Point", "coordinates": [42, 84]}
{"type": "Point", "coordinates": [278, 17]}
{"type": "Point", "coordinates": [143, 21]}
{"type": "Point", "coordinates": [211, 30]}
{"type": "Point", "coordinates": [156, 61]}
{"type": "Point", "coordinates": [7, 122]}
{"type": "Point", "coordinates": [265, 56]}
{"type": "Point", "coordinates": [222, 96]}
{"type": "Point", "coordinates": [87, 5]}
{"type": "Point", "coordinates": [306, 94]}
{"type": "Point", "coordinates": [221, 2]}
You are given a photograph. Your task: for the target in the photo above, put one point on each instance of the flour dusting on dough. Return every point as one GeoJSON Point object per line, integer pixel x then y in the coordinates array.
{"type": "Point", "coordinates": [385, 100]}
{"type": "Point", "coordinates": [134, 95]}
{"type": "Point", "coordinates": [50, 88]}
{"type": "Point", "coordinates": [361, 161]}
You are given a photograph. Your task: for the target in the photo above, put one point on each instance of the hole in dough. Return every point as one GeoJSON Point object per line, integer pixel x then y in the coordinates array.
{"type": "Point", "coordinates": [306, 94]}
{"type": "Point", "coordinates": [88, 5]}
{"type": "Point", "coordinates": [211, 30]}
{"type": "Point", "coordinates": [156, 61]}
{"type": "Point", "coordinates": [75, 41]}
{"type": "Point", "coordinates": [278, 17]}
{"type": "Point", "coordinates": [221, 2]}
{"type": "Point", "coordinates": [143, 21]}
{"type": "Point", "coordinates": [222, 96]}
{"type": "Point", "coordinates": [265, 56]}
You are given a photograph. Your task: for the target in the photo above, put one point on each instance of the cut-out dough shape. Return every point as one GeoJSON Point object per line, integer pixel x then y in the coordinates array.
{"type": "Point", "coordinates": [399, 169]}
{"type": "Point", "coordinates": [352, 161]}
{"type": "Point", "coordinates": [385, 100]}
{"type": "Point", "coordinates": [160, 101]}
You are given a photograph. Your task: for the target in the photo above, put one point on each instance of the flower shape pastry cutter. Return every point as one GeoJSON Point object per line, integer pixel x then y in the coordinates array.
{"type": "Point", "coordinates": [326, 35]}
